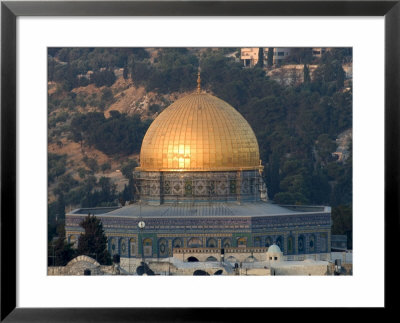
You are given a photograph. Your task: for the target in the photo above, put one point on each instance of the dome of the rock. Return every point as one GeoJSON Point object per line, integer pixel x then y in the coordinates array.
{"type": "Point", "coordinates": [199, 132]}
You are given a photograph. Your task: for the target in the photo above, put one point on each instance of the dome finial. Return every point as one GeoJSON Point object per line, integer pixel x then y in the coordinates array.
{"type": "Point", "coordinates": [198, 81]}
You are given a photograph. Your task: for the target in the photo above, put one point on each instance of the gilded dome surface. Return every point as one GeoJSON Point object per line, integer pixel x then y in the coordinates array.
{"type": "Point", "coordinates": [199, 132]}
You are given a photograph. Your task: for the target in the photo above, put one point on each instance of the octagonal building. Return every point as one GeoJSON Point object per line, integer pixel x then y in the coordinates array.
{"type": "Point", "coordinates": [199, 149]}
{"type": "Point", "coordinates": [200, 193]}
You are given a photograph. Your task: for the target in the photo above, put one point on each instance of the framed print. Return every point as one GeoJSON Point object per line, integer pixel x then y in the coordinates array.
{"type": "Point", "coordinates": [224, 165]}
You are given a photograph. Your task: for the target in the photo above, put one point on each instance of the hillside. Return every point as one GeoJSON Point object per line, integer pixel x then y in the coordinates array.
{"type": "Point", "coordinates": [126, 99]}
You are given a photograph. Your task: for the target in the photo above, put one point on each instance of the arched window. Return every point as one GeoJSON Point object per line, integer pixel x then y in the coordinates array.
{"type": "Point", "coordinates": [257, 242]}
{"type": "Point", "coordinates": [147, 242]}
{"type": "Point", "coordinates": [279, 242]}
{"type": "Point", "coordinates": [226, 243]}
{"type": "Point", "coordinates": [268, 241]}
{"type": "Point", "coordinates": [192, 259]}
{"type": "Point", "coordinates": [177, 243]}
{"type": "Point", "coordinates": [195, 243]}
{"type": "Point", "coordinates": [147, 247]}
{"type": "Point", "coordinates": [242, 242]}
{"type": "Point", "coordinates": [212, 243]}
{"type": "Point", "coordinates": [211, 258]}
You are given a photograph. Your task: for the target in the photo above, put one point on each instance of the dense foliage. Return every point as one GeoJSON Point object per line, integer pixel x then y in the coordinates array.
{"type": "Point", "coordinates": [119, 134]}
{"type": "Point", "coordinates": [296, 128]}
{"type": "Point", "coordinates": [56, 166]}
{"type": "Point", "coordinates": [174, 70]}
{"type": "Point", "coordinates": [93, 242]}
{"type": "Point", "coordinates": [66, 65]}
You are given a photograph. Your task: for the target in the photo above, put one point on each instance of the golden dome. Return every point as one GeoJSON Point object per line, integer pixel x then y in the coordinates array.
{"type": "Point", "coordinates": [199, 132]}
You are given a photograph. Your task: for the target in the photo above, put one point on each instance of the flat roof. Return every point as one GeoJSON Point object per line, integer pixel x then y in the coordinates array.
{"type": "Point", "coordinates": [204, 209]}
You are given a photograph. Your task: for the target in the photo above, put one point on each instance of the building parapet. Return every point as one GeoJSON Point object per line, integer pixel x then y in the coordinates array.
{"type": "Point", "coordinates": [218, 250]}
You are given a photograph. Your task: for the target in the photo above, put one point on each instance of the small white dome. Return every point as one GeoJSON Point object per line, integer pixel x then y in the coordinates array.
{"type": "Point", "coordinates": [274, 248]}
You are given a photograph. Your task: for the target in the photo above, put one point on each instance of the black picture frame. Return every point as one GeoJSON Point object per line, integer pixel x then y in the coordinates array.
{"type": "Point", "coordinates": [10, 10]}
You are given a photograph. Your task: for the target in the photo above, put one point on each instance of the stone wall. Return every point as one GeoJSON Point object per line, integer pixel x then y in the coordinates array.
{"type": "Point", "coordinates": [318, 269]}
{"type": "Point", "coordinates": [257, 272]}
{"type": "Point", "coordinates": [232, 255]}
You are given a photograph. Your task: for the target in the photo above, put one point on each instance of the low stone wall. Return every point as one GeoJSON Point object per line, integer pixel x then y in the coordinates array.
{"type": "Point", "coordinates": [313, 256]}
{"type": "Point", "coordinates": [299, 270]}
{"type": "Point", "coordinates": [255, 271]}
{"type": "Point", "coordinates": [165, 268]}
{"type": "Point", "coordinates": [232, 255]}
{"type": "Point", "coordinates": [130, 264]}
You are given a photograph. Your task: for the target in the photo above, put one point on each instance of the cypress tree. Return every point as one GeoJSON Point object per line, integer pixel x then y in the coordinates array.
{"type": "Point", "coordinates": [273, 178]}
{"type": "Point", "coordinates": [307, 78]}
{"type": "Point", "coordinates": [270, 57]}
{"type": "Point", "coordinates": [260, 62]}
{"type": "Point", "coordinates": [93, 242]}
{"type": "Point", "coordinates": [125, 72]}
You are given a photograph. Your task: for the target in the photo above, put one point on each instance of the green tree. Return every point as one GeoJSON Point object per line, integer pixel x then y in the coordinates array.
{"type": "Point", "coordinates": [260, 62]}
{"type": "Point", "coordinates": [82, 172]}
{"type": "Point", "coordinates": [65, 183]}
{"type": "Point", "coordinates": [270, 56]}
{"type": "Point", "coordinates": [287, 198]}
{"type": "Point", "coordinates": [107, 193]}
{"type": "Point", "coordinates": [60, 252]}
{"type": "Point", "coordinates": [330, 72]}
{"type": "Point", "coordinates": [107, 96]}
{"type": "Point", "coordinates": [306, 71]}
{"type": "Point", "coordinates": [127, 168]}
{"type": "Point", "coordinates": [101, 78]}
{"type": "Point", "coordinates": [93, 242]}
{"type": "Point", "coordinates": [56, 166]}
{"type": "Point", "coordinates": [325, 147]}
{"type": "Point", "coordinates": [106, 166]}
{"type": "Point", "coordinates": [300, 56]}
{"type": "Point", "coordinates": [342, 222]}
{"type": "Point", "coordinates": [273, 175]}
{"type": "Point", "coordinates": [91, 163]}
{"type": "Point", "coordinates": [125, 72]}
